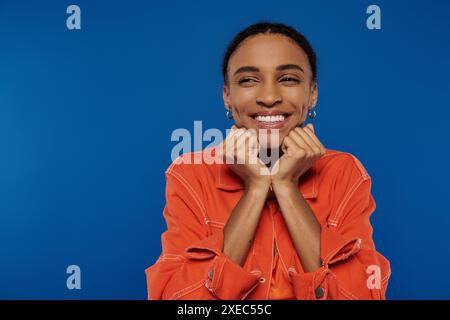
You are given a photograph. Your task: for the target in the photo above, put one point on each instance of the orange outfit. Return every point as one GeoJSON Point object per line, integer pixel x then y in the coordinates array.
{"type": "Point", "coordinates": [199, 200]}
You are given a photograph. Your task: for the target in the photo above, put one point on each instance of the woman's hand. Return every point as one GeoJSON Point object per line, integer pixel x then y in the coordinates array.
{"type": "Point", "coordinates": [301, 149]}
{"type": "Point", "coordinates": [240, 152]}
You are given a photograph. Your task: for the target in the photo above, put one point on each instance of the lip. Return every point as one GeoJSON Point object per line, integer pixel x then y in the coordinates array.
{"type": "Point", "coordinates": [271, 125]}
{"type": "Point", "coordinates": [270, 113]}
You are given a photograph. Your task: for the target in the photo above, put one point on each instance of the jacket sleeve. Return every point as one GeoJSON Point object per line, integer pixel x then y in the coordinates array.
{"type": "Point", "coordinates": [351, 266]}
{"type": "Point", "coordinates": [192, 264]}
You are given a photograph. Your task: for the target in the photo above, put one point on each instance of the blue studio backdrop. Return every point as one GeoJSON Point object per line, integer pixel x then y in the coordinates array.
{"type": "Point", "coordinates": [86, 117]}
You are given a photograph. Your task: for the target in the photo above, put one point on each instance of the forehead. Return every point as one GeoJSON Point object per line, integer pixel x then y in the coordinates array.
{"type": "Point", "coordinates": [266, 51]}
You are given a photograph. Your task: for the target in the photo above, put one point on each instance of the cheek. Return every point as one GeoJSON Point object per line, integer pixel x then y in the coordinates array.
{"type": "Point", "coordinates": [301, 104]}
{"type": "Point", "coordinates": [298, 118]}
{"type": "Point", "coordinates": [242, 98]}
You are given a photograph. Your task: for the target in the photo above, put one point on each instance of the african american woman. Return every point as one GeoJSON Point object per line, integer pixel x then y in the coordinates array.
{"type": "Point", "coordinates": [241, 230]}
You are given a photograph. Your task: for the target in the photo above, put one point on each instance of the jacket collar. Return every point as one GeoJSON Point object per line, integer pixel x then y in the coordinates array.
{"type": "Point", "coordinates": [226, 179]}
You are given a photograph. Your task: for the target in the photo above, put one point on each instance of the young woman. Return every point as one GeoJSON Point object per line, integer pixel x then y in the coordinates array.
{"type": "Point", "coordinates": [300, 232]}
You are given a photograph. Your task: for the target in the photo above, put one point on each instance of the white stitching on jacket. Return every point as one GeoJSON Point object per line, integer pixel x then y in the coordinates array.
{"type": "Point", "coordinates": [346, 199]}
{"type": "Point", "coordinates": [182, 292]}
{"type": "Point", "coordinates": [192, 193]}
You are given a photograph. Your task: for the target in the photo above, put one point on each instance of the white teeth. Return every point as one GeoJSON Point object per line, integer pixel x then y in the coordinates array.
{"type": "Point", "coordinates": [270, 118]}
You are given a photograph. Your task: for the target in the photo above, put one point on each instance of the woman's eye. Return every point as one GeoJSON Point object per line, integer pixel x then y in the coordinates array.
{"type": "Point", "coordinates": [246, 80]}
{"type": "Point", "coordinates": [285, 79]}
{"type": "Point", "coordinates": [290, 79]}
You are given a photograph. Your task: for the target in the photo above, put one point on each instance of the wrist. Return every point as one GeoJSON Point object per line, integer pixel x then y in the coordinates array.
{"type": "Point", "coordinates": [259, 186]}
{"type": "Point", "coordinates": [283, 186]}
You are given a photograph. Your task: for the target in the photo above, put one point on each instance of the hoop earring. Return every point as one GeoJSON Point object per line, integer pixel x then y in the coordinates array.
{"type": "Point", "coordinates": [312, 113]}
{"type": "Point", "coordinates": [229, 115]}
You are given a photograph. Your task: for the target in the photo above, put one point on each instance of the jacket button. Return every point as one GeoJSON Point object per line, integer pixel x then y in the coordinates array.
{"type": "Point", "coordinates": [319, 292]}
{"type": "Point", "coordinates": [210, 274]}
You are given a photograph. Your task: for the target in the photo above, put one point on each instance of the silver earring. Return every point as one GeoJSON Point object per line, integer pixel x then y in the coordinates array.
{"type": "Point", "coordinates": [312, 113]}
{"type": "Point", "coordinates": [229, 114]}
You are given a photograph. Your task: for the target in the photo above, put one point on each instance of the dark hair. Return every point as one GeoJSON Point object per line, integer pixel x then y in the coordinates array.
{"type": "Point", "coordinates": [269, 27]}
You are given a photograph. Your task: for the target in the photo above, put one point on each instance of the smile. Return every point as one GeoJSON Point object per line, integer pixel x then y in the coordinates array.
{"type": "Point", "coordinates": [270, 121]}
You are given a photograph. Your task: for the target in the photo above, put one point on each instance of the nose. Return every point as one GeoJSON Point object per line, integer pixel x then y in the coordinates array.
{"type": "Point", "coordinates": [268, 95]}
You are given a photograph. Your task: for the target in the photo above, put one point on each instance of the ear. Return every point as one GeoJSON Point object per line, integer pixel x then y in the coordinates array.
{"type": "Point", "coordinates": [314, 94]}
{"type": "Point", "coordinates": [226, 96]}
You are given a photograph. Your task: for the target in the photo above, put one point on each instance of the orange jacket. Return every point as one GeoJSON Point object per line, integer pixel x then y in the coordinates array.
{"type": "Point", "coordinates": [199, 200]}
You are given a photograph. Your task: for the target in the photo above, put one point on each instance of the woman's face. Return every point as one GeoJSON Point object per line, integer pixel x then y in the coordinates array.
{"type": "Point", "coordinates": [269, 86]}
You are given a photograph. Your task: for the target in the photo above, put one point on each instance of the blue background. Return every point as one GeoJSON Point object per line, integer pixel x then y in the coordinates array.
{"type": "Point", "coordinates": [86, 118]}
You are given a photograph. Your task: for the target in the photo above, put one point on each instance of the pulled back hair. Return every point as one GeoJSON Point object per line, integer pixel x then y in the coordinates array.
{"type": "Point", "coordinates": [270, 28]}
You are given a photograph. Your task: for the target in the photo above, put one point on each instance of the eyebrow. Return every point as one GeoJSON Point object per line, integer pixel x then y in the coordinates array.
{"type": "Point", "coordinates": [281, 67]}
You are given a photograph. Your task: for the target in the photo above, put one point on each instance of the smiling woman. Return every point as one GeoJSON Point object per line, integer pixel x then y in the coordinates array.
{"type": "Point", "coordinates": [303, 230]}
{"type": "Point", "coordinates": [270, 79]}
